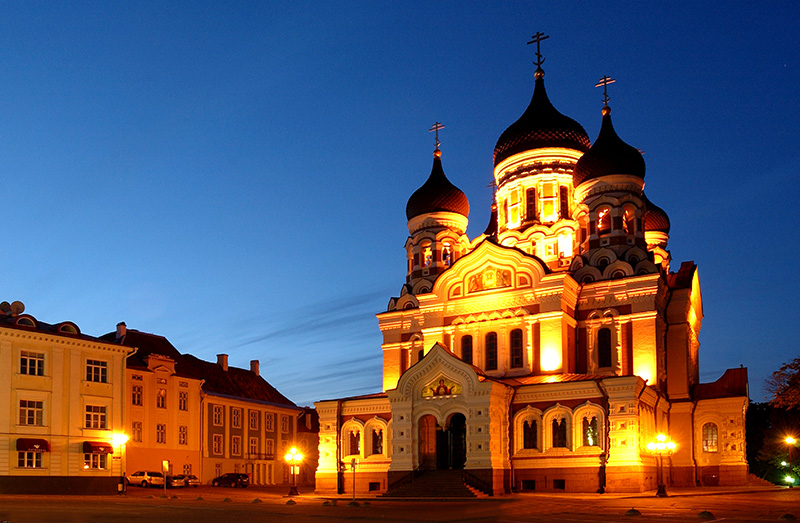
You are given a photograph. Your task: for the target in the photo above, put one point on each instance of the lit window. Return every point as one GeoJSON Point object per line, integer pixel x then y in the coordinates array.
{"type": "Point", "coordinates": [491, 351]}
{"type": "Point", "coordinates": [377, 441]}
{"type": "Point", "coordinates": [590, 431]}
{"type": "Point", "coordinates": [183, 400]}
{"type": "Point", "coordinates": [603, 221]}
{"type": "Point", "coordinates": [254, 415]}
{"type": "Point", "coordinates": [560, 432]}
{"type": "Point", "coordinates": [137, 431]}
{"type": "Point", "coordinates": [447, 254]}
{"type": "Point", "coordinates": [236, 418]}
{"type": "Point", "coordinates": [236, 445]}
{"type": "Point", "coordinates": [604, 348]}
{"type": "Point", "coordinates": [183, 435]}
{"type": "Point", "coordinates": [136, 395]}
{"type": "Point", "coordinates": [161, 433]}
{"type": "Point", "coordinates": [564, 246]}
{"type": "Point", "coordinates": [269, 422]}
{"type": "Point", "coordinates": [29, 460]}
{"type": "Point", "coordinates": [529, 435]}
{"type": "Point", "coordinates": [31, 363]}
{"type": "Point", "coordinates": [466, 349]}
{"type": "Point", "coordinates": [710, 438]}
{"type": "Point", "coordinates": [217, 444]}
{"type": "Point", "coordinates": [285, 424]}
{"type": "Point", "coordinates": [31, 412]}
{"type": "Point", "coordinates": [161, 399]}
{"type": "Point", "coordinates": [548, 202]}
{"type": "Point", "coordinates": [427, 255]}
{"type": "Point", "coordinates": [95, 417]}
{"type": "Point", "coordinates": [513, 214]}
{"type": "Point", "coordinates": [95, 461]}
{"type": "Point", "coordinates": [97, 371]}
{"type": "Point", "coordinates": [516, 348]}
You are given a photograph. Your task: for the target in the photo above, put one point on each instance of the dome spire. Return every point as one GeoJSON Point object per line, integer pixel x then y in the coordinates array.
{"type": "Point", "coordinates": [605, 81]}
{"type": "Point", "coordinates": [435, 128]}
{"type": "Point", "coordinates": [537, 39]}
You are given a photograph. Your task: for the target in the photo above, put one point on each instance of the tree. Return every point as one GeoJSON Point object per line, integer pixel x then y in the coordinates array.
{"type": "Point", "coordinates": [784, 385]}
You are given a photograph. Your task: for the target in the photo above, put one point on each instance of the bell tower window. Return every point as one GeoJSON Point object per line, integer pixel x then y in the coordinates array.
{"type": "Point", "coordinates": [427, 254]}
{"type": "Point", "coordinates": [516, 348]}
{"type": "Point", "coordinates": [549, 203]}
{"type": "Point", "coordinates": [491, 351]}
{"type": "Point", "coordinates": [563, 193]}
{"type": "Point", "coordinates": [447, 254]}
{"type": "Point", "coordinates": [604, 348]}
{"type": "Point", "coordinates": [530, 204]}
{"type": "Point", "coordinates": [604, 221]}
{"type": "Point", "coordinates": [513, 208]}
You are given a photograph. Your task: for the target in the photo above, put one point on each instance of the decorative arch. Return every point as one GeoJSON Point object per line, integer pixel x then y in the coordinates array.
{"type": "Point", "coordinates": [528, 430]}
{"type": "Point", "coordinates": [617, 269]}
{"type": "Point", "coordinates": [375, 437]}
{"type": "Point", "coordinates": [589, 426]}
{"type": "Point", "coordinates": [557, 426]}
{"type": "Point", "coordinates": [597, 321]}
{"type": "Point", "coordinates": [352, 438]}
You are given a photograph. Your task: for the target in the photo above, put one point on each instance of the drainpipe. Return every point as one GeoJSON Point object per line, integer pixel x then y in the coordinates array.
{"type": "Point", "coordinates": [607, 437]}
{"type": "Point", "coordinates": [511, 437]}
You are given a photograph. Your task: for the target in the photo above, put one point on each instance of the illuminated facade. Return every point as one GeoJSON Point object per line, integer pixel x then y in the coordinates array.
{"type": "Point", "coordinates": [547, 352]}
{"type": "Point", "coordinates": [61, 393]}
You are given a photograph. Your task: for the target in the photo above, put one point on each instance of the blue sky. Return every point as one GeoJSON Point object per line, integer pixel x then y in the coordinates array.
{"type": "Point", "coordinates": [234, 175]}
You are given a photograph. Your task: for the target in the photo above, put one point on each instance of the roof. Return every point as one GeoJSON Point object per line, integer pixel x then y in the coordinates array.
{"type": "Point", "coordinates": [437, 194]}
{"type": "Point", "coordinates": [655, 218]}
{"type": "Point", "coordinates": [146, 344]}
{"type": "Point", "coordinates": [555, 378]}
{"type": "Point", "coordinates": [541, 125]}
{"type": "Point", "coordinates": [608, 155]}
{"type": "Point", "coordinates": [65, 329]}
{"type": "Point", "coordinates": [733, 383]}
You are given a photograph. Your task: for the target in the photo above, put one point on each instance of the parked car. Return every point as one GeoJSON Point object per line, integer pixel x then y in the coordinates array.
{"type": "Point", "coordinates": [231, 479]}
{"type": "Point", "coordinates": [188, 480]}
{"type": "Point", "coordinates": [175, 481]}
{"type": "Point", "coordinates": [146, 478]}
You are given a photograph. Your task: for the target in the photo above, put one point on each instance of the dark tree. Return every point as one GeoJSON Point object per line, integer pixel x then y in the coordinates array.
{"type": "Point", "coordinates": [784, 385]}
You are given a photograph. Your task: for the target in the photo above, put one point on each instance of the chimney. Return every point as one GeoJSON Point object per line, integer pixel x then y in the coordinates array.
{"type": "Point", "coordinates": [254, 367]}
{"type": "Point", "coordinates": [222, 361]}
{"type": "Point", "coordinates": [121, 330]}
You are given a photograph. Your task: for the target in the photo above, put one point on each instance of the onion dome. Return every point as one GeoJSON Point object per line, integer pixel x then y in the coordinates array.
{"type": "Point", "coordinates": [608, 155]}
{"type": "Point", "coordinates": [437, 194]}
{"type": "Point", "coordinates": [491, 229]}
{"type": "Point", "coordinates": [655, 218]}
{"type": "Point", "coordinates": [541, 125]}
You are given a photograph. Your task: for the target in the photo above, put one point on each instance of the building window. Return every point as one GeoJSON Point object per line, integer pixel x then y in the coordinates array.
{"type": "Point", "coordinates": [427, 255]}
{"type": "Point", "coordinates": [183, 400]}
{"type": "Point", "coordinates": [529, 436]}
{"type": "Point", "coordinates": [31, 363]}
{"type": "Point", "coordinates": [269, 422]}
{"type": "Point", "coordinates": [217, 444]}
{"type": "Point", "coordinates": [466, 349]}
{"type": "Point", "coordinates": [236, 418]}
{"type": "Point", "coordinates": [447, 254]}
{"type": "Point", "coordinates": [590, 431]}
{"type": "Point", "coordinates": [710, 438]}
{"type": "Point", "coordinates": [549, 196]}
{"type": "Point", "coordinates": [137, 431]}
{"type": "Point", "coordinates": [253, 446]}
{"type": "Point", "coordinates": [183, 435]}
{"type": "Point", "coordinates": [563, 193]}
{"type": "Point", "coordinates": [377, 441]}
{"type": "Point", "coordinates": [603, 221]}
{"type": "Point", "coordinates": [95, 417]}
{"type": "Point", "coordinates": [31, 412]}
{"type": "Point", "coordinates": [560, 432]}
{"type": "Point", "coordinates": [161, 433]}
{"type": "Point", "coordinates": [29, 460]}
{"type": "Point", "coordinates": [354, 442]}
{"type": "Point", "coordinates": [236, 445]}
{"type": "Point", "coordinates": [513, 213]}
{"type": "Point", "coordinates": [270, 448]}
{"type": "Point", "coordinates": [516, 348]}
{"type": "Point", "coordinates": [604, 348]}
{"type": "Point", "coordinates": [285, 424]}
{"type": "Point", "coordinates": [161, 399]}
{"type": "Point", "coordinates": [254, 420]}
{"type": "Point", "coordinates": [136, 395]}
{"type": "Point", "coordinates": [97, 371]}
{"type": "Point", "coordinates": [530, 204]}
{"type": "Point", "coordinates": [187, 469]}
{"type": "Point", "coordinates": [94, 461]}
{"type": "Point", "coordinates": [218, 416]}
{"type": "Point", "coordinates": [491, 351]}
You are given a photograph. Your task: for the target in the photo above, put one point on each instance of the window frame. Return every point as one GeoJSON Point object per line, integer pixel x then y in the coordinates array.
{"type": "Point", "coordinates": [31, 414]}
{"type": "Point", "coordinates": [490, 344]}
{"type": "Point", "coordinates": [29, 360]}
{"type": "Point", "coordinates": [96, 371]}
{"type": "Point", "coordinates": [95, 415]}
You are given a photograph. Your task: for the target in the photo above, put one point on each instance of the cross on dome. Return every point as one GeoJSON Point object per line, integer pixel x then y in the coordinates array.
{"type": "Point", "coordinates": [435, 128]}
{"type": "Point", "coordinates": [537, 39]}
{"type": "Point", "coordinates": [605, 81]}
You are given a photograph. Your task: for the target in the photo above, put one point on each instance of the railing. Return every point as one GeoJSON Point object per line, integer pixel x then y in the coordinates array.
{"type": "Point", "coordinates": [477, 483]}
{"type": "Point", "coordinates": [405, 480]}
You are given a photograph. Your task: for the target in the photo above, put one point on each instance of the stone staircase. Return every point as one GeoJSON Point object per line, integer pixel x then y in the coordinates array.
{"type": "Point", "coordinates": [753, 480]}
{"type": "Point", "coordinates": [435, 484]}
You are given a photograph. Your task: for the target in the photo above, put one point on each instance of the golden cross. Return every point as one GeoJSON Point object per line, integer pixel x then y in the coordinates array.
{"type": "Point", "coordinates": [537, 38]}
{"type": "Point", "coordinates": [604, 81]}
{"type": "Point", "coordinates": [435, 128]}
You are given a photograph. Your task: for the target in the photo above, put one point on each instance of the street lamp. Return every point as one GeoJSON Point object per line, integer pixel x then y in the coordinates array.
{"type": "Point", "coordinates": [119, 440]}
{"type": "Point", "coordinates": [294, 458]}
{"type": "Point", "coordinates": [661, 446]}
{"type": "Point", "coordinates": [792, 442]}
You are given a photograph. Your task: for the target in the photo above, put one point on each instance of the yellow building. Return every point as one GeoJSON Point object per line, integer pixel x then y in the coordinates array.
{"type": "Point", "coordinates": [62, 396]}
{"type": "Point", "coordinates": [547, 353]}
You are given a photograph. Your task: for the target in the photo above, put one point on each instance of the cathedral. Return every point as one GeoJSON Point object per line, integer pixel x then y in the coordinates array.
{"type": "Point", "coordinates": [555, 351]}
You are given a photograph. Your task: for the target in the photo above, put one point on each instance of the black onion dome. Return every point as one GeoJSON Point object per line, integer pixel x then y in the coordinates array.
{"type": "Point", "coordinates": [437, 194]}
{"type": "Point", "coordinates": [608, 155]}
{"type": "Point", "coordinates": [491, 229]}
{"type": "Point", "coordinates": [541, 125]}
{"type": "Point", "coordinates": [655, 218]}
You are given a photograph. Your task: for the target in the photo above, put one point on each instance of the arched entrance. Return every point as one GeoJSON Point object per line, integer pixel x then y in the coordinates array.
{"type": "Point", "coordinates": [442, 447]}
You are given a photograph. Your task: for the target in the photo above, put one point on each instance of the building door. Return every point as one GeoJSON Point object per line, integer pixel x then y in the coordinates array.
{"type": "Point", "coordinates": [451, 444]}
{"type": "Point", "coordinates": [427, 442]}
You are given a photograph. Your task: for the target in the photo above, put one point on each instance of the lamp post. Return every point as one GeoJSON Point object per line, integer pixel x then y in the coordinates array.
{"type": "Point", "coordinates": [353, 465]}
{"type": "Point", "coordinates": [792, 443]}
{"type": "Point", "coordinates": [294, 458]}
{"type": "Point", "coordinates": [661, 446]}
{"type": "Point", "coordinates": [119, 439]}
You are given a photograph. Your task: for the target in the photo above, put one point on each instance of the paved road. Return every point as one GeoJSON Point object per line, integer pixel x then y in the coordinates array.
{"type": "Point", "coordinates": [237, 505]}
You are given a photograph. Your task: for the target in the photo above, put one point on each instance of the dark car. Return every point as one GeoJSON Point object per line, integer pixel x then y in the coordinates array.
{"type": "Point", "coordinates": [231, 479]}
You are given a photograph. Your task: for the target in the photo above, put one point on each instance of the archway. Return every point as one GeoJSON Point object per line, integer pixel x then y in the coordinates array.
{"type": "Point", "coordinates": [428, 429]}
{"type": "Point", "coordinates": [451, 443]}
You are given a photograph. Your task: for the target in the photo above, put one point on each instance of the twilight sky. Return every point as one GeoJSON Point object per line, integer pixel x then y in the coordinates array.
{"type": "Point", "coordinates": [233, 175]}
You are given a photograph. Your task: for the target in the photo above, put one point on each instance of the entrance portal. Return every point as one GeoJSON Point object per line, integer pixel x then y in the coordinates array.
{"type": "Point", "coordinates": [442, 448]}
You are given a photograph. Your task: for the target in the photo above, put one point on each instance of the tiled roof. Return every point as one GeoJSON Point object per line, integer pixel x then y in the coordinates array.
{"type": "Point", "coordinates": [731, 384]}
{"type": "Point", "coordinates": [553, 378]}
{"type": "Point", "coordinates": [437, 194]}
{"type": "Point", "coordinates": [655, 218]}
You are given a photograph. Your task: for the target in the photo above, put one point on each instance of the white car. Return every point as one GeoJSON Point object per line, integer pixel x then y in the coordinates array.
{"type": "Point", "coordinates": [146, 478]}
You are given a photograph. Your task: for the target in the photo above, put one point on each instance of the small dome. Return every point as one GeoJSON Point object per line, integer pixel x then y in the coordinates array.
{"type": "Point", "coordinates": [655, 218]}
{"type": "Point", "coordinates": [608, 155]}
{"type": "Point", "coordinates": [541, 125]}
{"type": "Point", "coordinates": [437, 194]}
{"type": "Point", "coordinates": [491, 229]}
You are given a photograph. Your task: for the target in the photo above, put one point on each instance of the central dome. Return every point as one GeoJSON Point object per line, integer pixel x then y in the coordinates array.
{"type": "Point", "coordinates": [541, 125]}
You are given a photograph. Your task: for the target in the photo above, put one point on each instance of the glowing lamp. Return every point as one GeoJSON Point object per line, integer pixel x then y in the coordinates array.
{"type": "Point", "coordinates": [789, 479]}
{"type": "Point", "coordinates": [790, 440]}
{"type": "Point", "coordinates": [551, 359]}
{"type": "Point", "coordinates": [661, 446]}
{"type": "Point", "coordinates": [119, 439]}
{"type": "Point", "coordinates": [293, 458]}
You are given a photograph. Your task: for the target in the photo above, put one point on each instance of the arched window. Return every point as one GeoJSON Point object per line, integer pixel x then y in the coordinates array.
{"type": "Point", "coordinates": [354, 442]}
{"type": "Point", "coordinates": [530, 204]}
{"type": "Point", "coordinates": [529, 434]}
{"type": "Point", "coordinates": [447, 254]}
{"type": "Point", "coordinates": [516, 348]}
{"type": "Point", "coordinates": [466, 349]}
{"type": "Point", "coordinates": [629, 221]}
{"type": "Point", "coordinates": [377, 441]}
{"type": "Point", "coordinates": [563, 195]}
{"type": "Point", "coordinates": [491, 351]}
{"type": "Point", "coordinates": [590, 431]}
{"type": "Point", "coordinates": [603, 221]}
{"type": "Point", "coordinates": [710, 438]}
{"type": "Point", "coordinates": [560, 432]}
{"type": "Point", "coordinates": [604, 348]}
{"type": "Point", "coordinates": [427, 254]}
